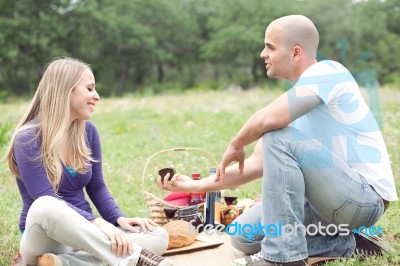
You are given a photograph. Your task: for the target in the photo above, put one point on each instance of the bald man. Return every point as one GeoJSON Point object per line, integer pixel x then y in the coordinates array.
{"type": "Point", "coordinates": [321, 155]}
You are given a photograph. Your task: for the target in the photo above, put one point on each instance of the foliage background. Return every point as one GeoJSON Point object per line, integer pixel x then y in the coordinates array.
{"type": "Point", "coordinates": [158, 45]}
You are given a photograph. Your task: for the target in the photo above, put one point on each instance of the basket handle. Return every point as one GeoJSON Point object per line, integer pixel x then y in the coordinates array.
{"type": "Point", "coordinates": [174, 149]}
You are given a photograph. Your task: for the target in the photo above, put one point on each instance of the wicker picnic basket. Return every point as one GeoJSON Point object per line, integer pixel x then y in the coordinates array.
{"type": "Point", "coordinates": [157, 205]}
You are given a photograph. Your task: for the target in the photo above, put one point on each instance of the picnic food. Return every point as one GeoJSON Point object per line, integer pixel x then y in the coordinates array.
{"type": "Point", "coordinates": [181, 233]}
{"type": "Point", "coordinates": [244, 204]}
{"type": "Point", "coordinates": [229, 214]}
{"type": "Point", "coordinates": [164, 171]}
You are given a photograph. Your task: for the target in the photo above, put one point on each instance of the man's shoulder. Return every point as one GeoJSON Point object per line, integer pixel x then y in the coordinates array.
{"type": "Point", "coordinates": [326, 71]}
{"type": "Point", "coordinates": [325, 67]}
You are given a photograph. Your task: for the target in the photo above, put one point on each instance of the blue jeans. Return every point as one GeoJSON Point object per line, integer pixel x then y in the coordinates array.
{"type": "Point", "coordinates": [304, 183]}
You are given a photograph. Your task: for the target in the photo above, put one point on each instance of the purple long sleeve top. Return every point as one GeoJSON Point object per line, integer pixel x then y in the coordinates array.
{"type": "Point", "coordinates": [33, 182]}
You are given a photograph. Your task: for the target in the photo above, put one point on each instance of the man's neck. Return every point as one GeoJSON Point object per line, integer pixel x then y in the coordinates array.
{"type": "Point", "coordinates": [301, 68]}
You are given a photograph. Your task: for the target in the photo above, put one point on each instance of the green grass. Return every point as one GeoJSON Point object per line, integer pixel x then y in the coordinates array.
{"type": "Point", "coordinates": [133, 128]}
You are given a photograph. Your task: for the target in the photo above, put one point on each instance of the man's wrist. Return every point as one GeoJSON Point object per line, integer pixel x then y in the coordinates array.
{"type": "Point", "coordinates": [235, 143]}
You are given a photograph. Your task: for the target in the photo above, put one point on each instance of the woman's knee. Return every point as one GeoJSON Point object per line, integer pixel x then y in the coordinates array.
{"type": "Point", "coordinates": [162, 240]}
{"type": "Point", "coordinates": [160, 233]}
{"type": "Point", "coordinates": [156, 240]}
{"type": "Point", "coordinates": [46, 208]}
{"type": "Point", "coordinates": [44, 205]}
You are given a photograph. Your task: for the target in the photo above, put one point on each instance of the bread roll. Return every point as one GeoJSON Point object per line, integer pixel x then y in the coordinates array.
{"type": "Point", "coordinates": [181, 233]}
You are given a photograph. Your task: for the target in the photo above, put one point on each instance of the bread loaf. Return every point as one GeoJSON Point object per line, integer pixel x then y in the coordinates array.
{"type": "Point", "coordinates": [181, 233]}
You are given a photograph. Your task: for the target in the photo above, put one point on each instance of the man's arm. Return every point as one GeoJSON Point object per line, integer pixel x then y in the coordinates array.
{"type": "Point", "coordinates": [278, 114]}
{"type": "Point", "coordinates": [254, 170]}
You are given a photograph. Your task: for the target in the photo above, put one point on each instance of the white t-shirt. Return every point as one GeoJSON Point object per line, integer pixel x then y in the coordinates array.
{"type": "Point", "coordinates": [345, 124]}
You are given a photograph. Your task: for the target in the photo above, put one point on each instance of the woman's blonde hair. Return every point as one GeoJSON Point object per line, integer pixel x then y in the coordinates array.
{"type": "Point", "coordinates": [49, 115]}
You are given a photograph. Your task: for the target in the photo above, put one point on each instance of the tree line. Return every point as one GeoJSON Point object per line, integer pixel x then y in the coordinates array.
{"type": "Point", "coordinates": [174, 45]}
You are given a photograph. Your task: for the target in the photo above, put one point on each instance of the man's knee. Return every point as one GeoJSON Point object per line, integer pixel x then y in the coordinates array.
{"type": "Point", "coordinates": [276, 135]}
{"type": "Point", "coordinates": [240, 243]}
{"type": "Point", "coordinates": [237, 242]}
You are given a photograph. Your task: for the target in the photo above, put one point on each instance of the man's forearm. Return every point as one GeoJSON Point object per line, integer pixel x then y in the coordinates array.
{"type": "Point", "coordinates": [252, 171]}
{"type": "Point", "coordinates": [274, 116]}
{"type": "Point", "coordinates": [251, 131]}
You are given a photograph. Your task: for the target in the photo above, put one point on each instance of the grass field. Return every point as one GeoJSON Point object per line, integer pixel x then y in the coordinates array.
{"type": "Point", "coordinates": [133, 128]}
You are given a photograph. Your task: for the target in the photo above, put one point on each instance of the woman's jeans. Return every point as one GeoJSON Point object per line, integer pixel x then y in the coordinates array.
{"type": "Point", "coordinates": [304, 183]}
{"type": "Point", "coordinates": [53, 227]}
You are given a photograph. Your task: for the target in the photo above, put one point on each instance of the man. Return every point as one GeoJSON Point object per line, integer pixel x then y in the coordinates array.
{"type": "Point", "coordinates": [319, 149]}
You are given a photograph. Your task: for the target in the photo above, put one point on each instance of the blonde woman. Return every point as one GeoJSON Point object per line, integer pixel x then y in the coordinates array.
{"type": "Point", "coordinates": [54, 154]}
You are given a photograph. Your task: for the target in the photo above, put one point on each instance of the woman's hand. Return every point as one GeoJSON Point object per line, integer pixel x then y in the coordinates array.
{"type": "Point", "coordinates": [120, 245]}
{"type": "Point", "coordinates": [177, 183]}
{"type": "Point", "coordinates": [145, 223]}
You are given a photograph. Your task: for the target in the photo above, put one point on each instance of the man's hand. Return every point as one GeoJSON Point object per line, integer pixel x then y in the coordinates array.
{"type": "Point", "coordinates": [177, 183]}
{"type": "Point", "coordinates": [120, 245]}
{"type": "Point", "coordinates": [231, 154]}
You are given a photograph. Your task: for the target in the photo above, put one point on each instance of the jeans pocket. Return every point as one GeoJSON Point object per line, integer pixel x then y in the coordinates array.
{"type": "Point", "coordinates": [376, 212]}
{"type": "Point", "coordinates": [357, 214]}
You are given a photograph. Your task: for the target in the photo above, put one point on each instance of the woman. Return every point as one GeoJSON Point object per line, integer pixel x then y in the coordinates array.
{"type": "Point", "coordinates": [55, 153]}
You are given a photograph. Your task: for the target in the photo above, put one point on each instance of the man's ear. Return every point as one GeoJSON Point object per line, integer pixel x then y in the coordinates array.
{"type": "Point", "coordinates": [296, 53]}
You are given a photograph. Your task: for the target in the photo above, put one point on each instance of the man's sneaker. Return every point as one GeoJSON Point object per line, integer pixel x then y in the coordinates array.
{"type": "Point", "coordinates": [148, 258]}
{"type": "Point", "coordinates": [367, 245]}
{"type": "Point", "coordinates": [258, 260]}
{"type": "Point", "coordinates": [49, 259]}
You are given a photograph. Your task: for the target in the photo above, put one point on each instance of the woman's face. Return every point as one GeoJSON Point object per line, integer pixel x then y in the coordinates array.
{"type": "Point", "coordinates": [84, 97]}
